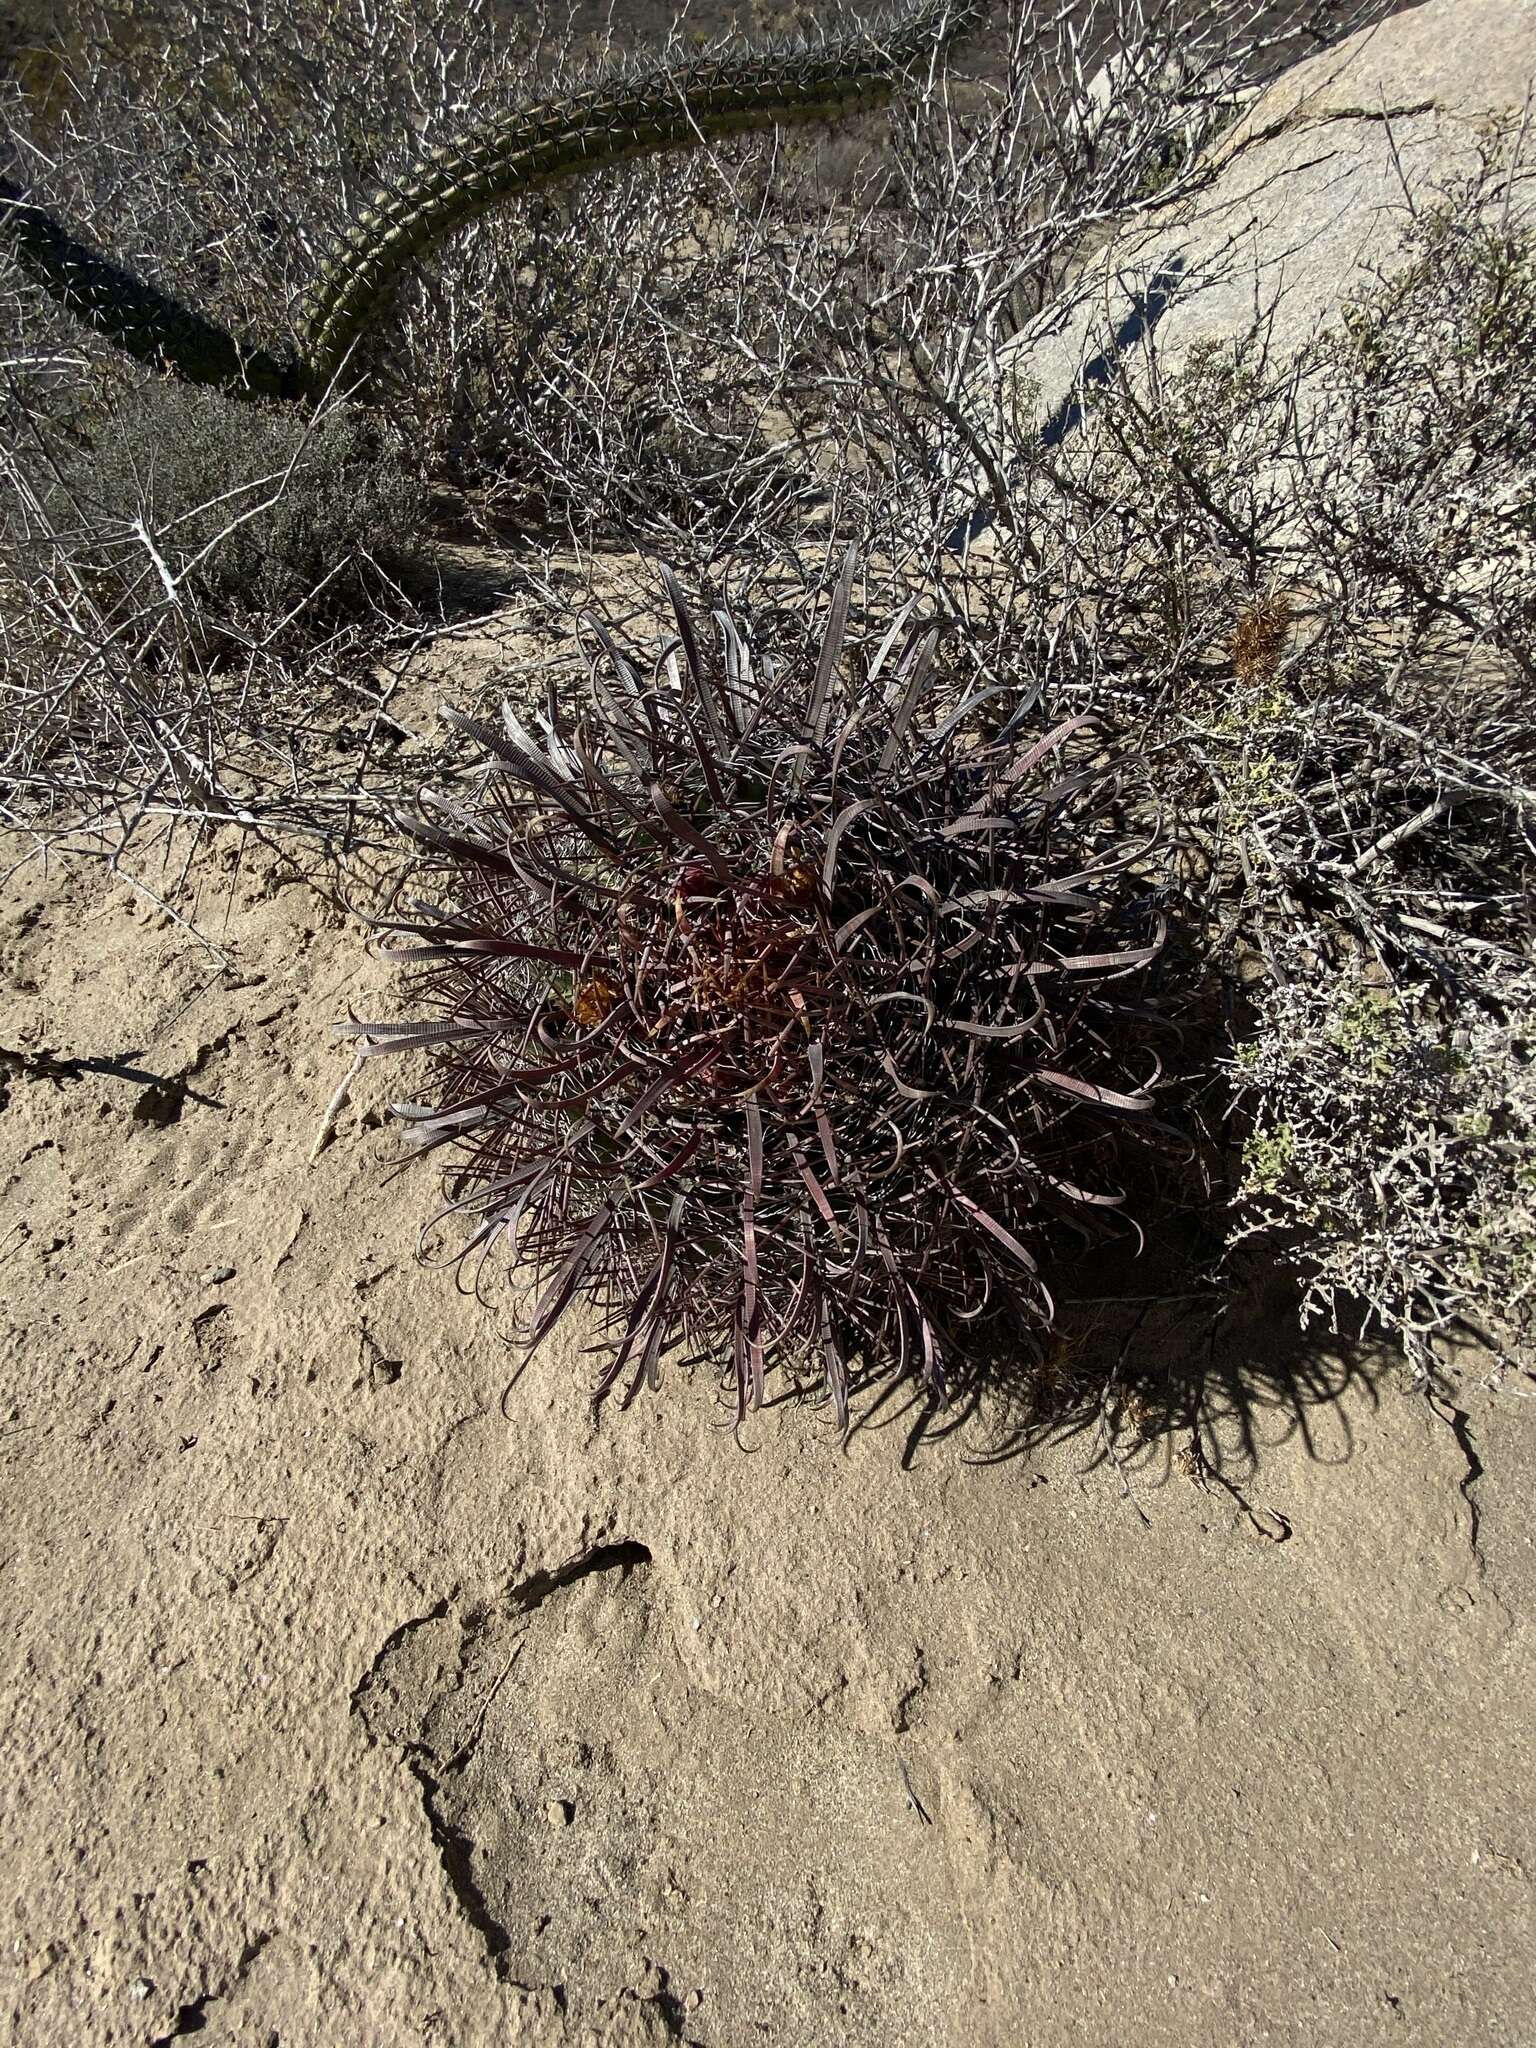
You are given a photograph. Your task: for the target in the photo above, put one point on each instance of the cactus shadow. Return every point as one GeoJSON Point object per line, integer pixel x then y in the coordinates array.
{"type": "Point", "coordinates": [1181, 1356]}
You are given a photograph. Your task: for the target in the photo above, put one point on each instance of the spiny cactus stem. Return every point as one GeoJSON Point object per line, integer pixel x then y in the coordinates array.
{"type": "Point", "coordinates": [608, 123]}
{"type": "Point", "coordinates": [616, 119]}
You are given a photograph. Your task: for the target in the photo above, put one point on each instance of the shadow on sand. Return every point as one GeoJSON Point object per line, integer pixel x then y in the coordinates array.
{"type": "Point", "coordinates": [1184, 1358]}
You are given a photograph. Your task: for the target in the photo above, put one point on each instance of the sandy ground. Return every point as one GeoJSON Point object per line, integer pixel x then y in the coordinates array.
{"type": "Point", "coordinates": [349, 1697]}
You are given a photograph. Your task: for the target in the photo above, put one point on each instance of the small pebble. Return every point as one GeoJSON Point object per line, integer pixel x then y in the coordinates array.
{"type": "Point", "coordinates": [560, 1813]}
{"type": "Point", "coordinates": [217, 1275]}
{"type": "Point", "coordinates": [141, 1987]}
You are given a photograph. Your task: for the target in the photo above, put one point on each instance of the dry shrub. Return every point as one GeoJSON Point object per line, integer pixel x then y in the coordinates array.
{"type": "Point", "coordinates": [269, 521]}
{"type": "Point", "coordinates": [1341, 693]}
{"type": "Point", "coordinates": [1393, 1147]}
{"type": "Point", "coordinates": [193, 594]}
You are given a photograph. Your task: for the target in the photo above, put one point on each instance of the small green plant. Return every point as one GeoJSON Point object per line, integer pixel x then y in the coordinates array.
{"type": "Point", "coordinates": [252, 517]}
{"type": "Point", "coordinates": [1268, 1156]}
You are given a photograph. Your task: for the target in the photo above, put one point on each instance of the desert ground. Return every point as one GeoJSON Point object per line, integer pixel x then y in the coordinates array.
{"type": "Point", "coordinates": [355, 1691]}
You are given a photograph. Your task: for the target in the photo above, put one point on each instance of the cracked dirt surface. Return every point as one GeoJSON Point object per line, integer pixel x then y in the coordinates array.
{"type": "Point", "coordinates": [340, 1706]}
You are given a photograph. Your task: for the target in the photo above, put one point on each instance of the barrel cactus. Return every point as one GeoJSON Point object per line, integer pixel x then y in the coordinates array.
{"type": "Point", "coordinates": [774, 1015]}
